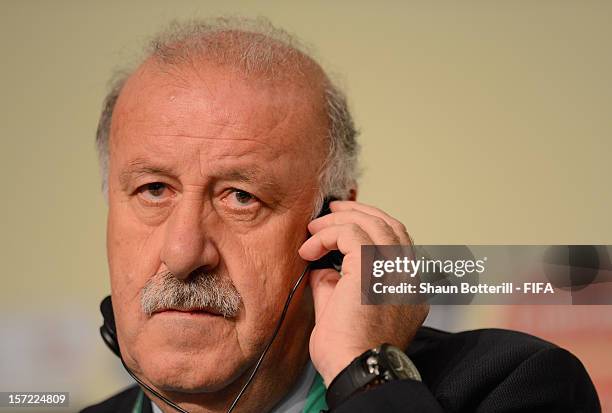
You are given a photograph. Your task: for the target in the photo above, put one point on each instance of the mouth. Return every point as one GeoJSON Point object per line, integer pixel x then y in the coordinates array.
{"type": "Point", "coordinates": [190, 312]}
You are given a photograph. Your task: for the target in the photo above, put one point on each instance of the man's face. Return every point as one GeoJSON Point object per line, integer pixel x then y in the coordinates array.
{"type": "Point", "coordinates": [211, 172]}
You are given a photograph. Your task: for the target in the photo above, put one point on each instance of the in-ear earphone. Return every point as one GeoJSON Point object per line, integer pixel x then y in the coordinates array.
{"type": "Point", "coordinates": [108, 330]}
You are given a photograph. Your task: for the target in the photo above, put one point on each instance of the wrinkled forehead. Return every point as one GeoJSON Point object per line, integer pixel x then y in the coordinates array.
{"type": "Point", "coordinates": [207, 100]}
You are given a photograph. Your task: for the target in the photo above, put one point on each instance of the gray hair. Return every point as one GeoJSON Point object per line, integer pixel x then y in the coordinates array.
{"type": "Point", "coordinates": [256, 47]}
{"type": "Point", "coordinates": [201, 290]}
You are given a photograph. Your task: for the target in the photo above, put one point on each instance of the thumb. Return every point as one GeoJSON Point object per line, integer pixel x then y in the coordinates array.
{"type": "Point", "coordinates": [322, 282]}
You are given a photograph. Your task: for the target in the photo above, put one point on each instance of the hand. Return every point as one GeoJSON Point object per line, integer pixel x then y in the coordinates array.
{"type": "Point", "coordinates": [344, 328]}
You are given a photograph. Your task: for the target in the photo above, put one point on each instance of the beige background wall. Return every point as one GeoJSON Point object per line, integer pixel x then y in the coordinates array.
{"type": "Point", "coordinates": [482, 122]}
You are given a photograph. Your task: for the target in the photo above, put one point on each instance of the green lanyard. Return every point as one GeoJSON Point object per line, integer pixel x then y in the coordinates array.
{"type": "Point", "coordinates": [315, 401]}
{"type": "Point", "coordinates": [138, 406]}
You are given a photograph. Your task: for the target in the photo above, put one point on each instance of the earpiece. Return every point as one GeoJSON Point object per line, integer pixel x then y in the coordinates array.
{"type": "Point", "coordinates": [108, 330]}
{"type": "Point", "coordinates": [333, 259]}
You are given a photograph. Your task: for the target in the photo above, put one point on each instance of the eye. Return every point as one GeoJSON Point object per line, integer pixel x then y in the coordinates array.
{"type": "Point", "coordinates": [239, 198]}
{"type": "Point", "coordinates": [154, 192]}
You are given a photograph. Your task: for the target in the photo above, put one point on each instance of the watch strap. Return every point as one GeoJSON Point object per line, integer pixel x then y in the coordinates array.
{"type": "Point", "coordinates": [354, 377]}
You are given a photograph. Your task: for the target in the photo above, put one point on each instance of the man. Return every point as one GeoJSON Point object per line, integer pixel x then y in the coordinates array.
{"type": "Point", "coordinates": [217, 152]}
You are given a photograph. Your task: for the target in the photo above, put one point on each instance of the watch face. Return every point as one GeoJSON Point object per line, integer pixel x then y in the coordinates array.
{"type": "Point", "coordinates": [400, 364]}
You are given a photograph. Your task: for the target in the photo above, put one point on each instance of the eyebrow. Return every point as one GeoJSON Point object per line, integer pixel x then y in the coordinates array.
{"type": "Point", "coordinates": [253, 175]}
{"type": "Point", "coordinates": [139, 167]}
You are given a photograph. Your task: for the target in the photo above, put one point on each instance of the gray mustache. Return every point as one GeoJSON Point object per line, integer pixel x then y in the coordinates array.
{"type": "Point", "coordinates": [201, 289]}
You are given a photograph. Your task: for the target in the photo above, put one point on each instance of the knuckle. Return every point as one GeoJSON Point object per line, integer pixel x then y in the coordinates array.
{"type": "Point", "coordinates": [399, 227]}
{"type": "Point", "coordinates": [379, 222]}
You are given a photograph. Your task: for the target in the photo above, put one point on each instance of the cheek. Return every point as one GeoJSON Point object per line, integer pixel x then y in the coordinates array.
{"type": "Point", "coordinates": [133, 250]}
{"type": "Point", "coordinates": [264, 272]}
{"type": "Point", "coordinates": [133, 256]}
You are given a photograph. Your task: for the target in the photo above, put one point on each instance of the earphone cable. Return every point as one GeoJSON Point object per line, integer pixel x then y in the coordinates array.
{"type": "Point", "coordinates": [155, 393]}
{"type": "Point", "coordinates": [276, 330]}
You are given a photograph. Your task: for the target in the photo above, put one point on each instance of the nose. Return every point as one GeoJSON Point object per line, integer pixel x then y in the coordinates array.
{"type": "Point", "coordinates": [186, 245]}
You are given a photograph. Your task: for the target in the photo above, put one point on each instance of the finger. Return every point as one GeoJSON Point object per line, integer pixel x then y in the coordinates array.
{"type": "Point", "coordinates": [399, 228]}
{"type": "Point", "coordinates": [376, 228]}
{"type": "Point", "coordinates": [322, 283]}
{"type": "Point", "coordinates": [347, 238]}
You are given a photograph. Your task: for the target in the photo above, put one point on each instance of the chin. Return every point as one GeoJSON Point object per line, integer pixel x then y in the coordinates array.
{"type": "Point", "coordinates": [187, 360]}
{"type": "Point", "coordinates": [187, 373]}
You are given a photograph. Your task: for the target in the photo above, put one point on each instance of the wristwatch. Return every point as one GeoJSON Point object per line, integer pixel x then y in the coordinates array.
{"type": "Point", "coordinates": [376, 366]}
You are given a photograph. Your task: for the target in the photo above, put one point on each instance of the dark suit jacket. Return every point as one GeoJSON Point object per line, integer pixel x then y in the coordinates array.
{"type": "Point", "coordinates": [490, 371]}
